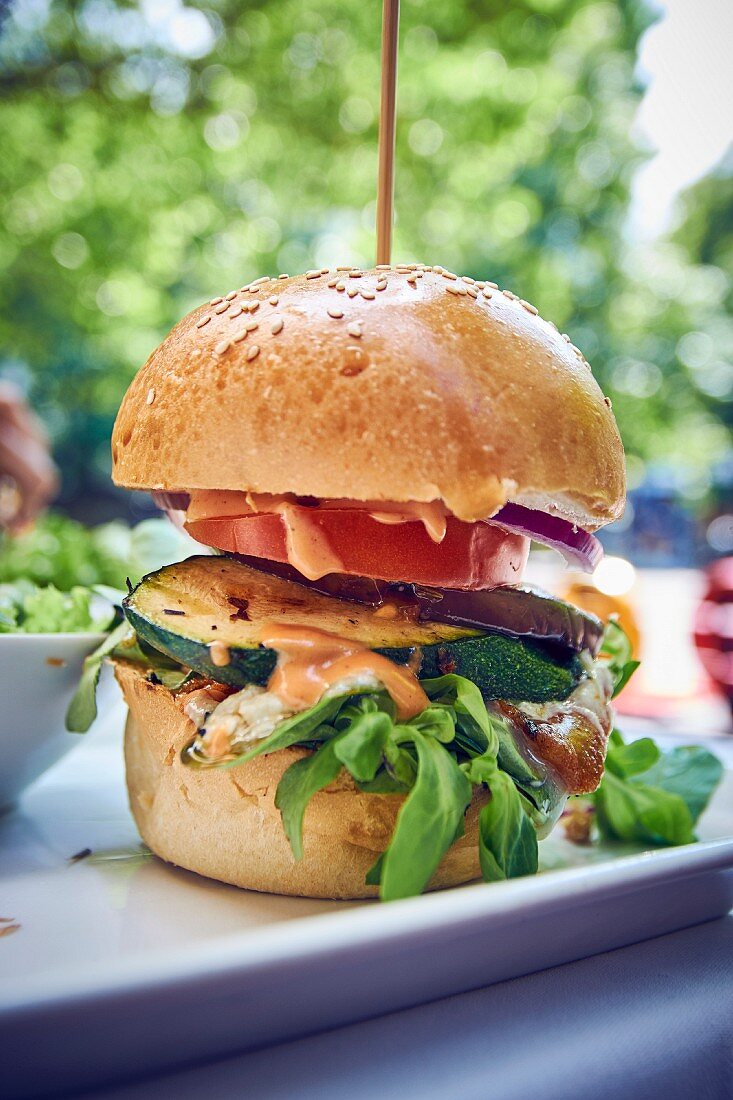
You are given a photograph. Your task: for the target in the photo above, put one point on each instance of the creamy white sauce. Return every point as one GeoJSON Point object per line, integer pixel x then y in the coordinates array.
{"type": "Point", "coordinates": [252, 714]}
{"type": "Point", "coordinates": [244, 718]}
{"type": "Point", "coordinates": [590, 699]}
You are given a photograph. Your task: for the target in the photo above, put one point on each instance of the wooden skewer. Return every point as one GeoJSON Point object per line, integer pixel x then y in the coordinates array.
{"type": "Point", "coordinates": [385, 181]}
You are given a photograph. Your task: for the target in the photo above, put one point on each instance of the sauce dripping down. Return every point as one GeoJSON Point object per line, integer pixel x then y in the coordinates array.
{"type": "Point", "coordinates": [308, 548]}
{"type": "Point", "coordinates": [433, 516]}
{"type": "Point", "coordinates": [310, 661]}
{"type": "Point", "coordinates": [304, 535]}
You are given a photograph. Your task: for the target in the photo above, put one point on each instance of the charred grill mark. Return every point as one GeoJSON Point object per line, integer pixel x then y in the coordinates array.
{"type": "Point", "coordinates": [241, 606]}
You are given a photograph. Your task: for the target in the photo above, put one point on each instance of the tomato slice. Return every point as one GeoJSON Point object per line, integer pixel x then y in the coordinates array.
{"type": "Point", "coordinates": [472, 555]}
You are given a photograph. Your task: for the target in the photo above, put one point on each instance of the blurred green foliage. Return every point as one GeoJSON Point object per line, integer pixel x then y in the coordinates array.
{"type": "Point", "coordinates": [59, 551]}
{"type": "Point", "coordinates": [156, 154]}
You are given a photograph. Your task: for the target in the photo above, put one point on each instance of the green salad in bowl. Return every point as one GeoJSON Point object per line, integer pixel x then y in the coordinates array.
{"type": "Point", "coordinates": [60, 588]}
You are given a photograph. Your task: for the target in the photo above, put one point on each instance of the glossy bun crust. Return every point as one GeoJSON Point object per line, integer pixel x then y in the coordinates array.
{"type": "Point", "coordinates": [222, 823]}
{"type": "Point", "coordinates": [391, 384]}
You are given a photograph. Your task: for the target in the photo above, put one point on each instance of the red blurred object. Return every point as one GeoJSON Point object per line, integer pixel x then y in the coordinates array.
{"type": "Point", "coordinates": [714, 626]}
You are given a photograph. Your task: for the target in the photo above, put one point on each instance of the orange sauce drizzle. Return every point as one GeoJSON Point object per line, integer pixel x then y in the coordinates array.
{"type": "Point", "coordinates": [308, 548]}
{"type": "Point", "coordinates": [310, 661]}
{"type": "Point", "coordinates": [304, 537]}
{"type": "Point", "coordinates": [432, 515]}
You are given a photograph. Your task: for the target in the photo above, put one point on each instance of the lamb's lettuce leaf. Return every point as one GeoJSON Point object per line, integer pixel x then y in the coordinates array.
{"type": "Point", "coordinates": [428, 822]}
{"type": "Point", "coordinates": [616, 651]}
{"type": "Point", "coordinates": [123, 643]}
{"type": "Point", "coordinates": [654, 797]}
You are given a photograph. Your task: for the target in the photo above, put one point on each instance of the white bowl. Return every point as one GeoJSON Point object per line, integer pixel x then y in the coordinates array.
{"type": "Point", "coordinates": [38, 677]}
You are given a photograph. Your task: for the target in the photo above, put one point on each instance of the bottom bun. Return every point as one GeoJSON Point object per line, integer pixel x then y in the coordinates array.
{"type": "Point", "coordinates": [223, 823]}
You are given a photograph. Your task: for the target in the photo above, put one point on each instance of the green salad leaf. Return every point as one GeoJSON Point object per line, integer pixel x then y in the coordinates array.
{"type": "Point", "coordinates": [122, 642]}
{"type": "Point", "coordinates": [82, 709]}
{"type": "Point", "coordinates": [27, 609]}
{"type": "Point", "coordinates": [298, 785]}
{"type": "Point", "coordinates": [428, 822]}
{"type": "Point", "coordinates": [617, 652]}
{"type": "Point", "coordinates": [653, 797]}
{"type": "Point", "coordinates": [361, 746]}
{"type": "Point", "coordinates": [507, 837]}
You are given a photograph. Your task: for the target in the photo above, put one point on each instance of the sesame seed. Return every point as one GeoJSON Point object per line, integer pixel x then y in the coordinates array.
{"type": "Point", "coordinates": [241, 335]}
{"type": "Point", "coordinates": [493, 286]}
{"type": "Point", "coordinates": [384, 267]}
{"type": "Point", "coordinates": [608, 402]}
{"type": "Point", "coordinates": [354, 328]}
{"type": "Point", "coordinates": [356, 274]}
{"type": "Point", "coordinates": [340, 285]}
{"type": "Point", "coordinates": [262, 279]}
{"type": "Point", "coordinates": [221, 347]}
{"type": "Point", "coordinates": [251, 326]}
{"type": "Point", "coordinates": [412, 280]}
{"type": "Point", "coordinates": [283, 276]}
{"type": "Point", "coordinates": [222, 308]}
{"type": "Point", "coordinates": [566, 338]}
{"type": "Point", "coordinates": [276, 326]}
{"type": "Point", "coordinates": [488, 294]}
{"type": "Point", "coordinates": [254, 306]}
{"type": "Point", "coordinates": [528, 306]}
{"type": "Point", "coordinates": [467, 279]}
{"type": "Point", "coordinates": [369, 295]}
{"type": "Point", "coordinates": [204, 321]}
{"type": "Point", "coordinates": [511, 295]}
{"type": "Point", "coordinates": [334, 312]}
{"type": "Point", "coordinates": [403, 269]}
{"type": "Point", "coordinates": [454, 288]}
{"type": "Point", "coordinates": [332, 282]}
{"type": "Point", "coordinates": [312, 274]}
{"type": "Point", "coordinates": [472, 292]}
{"type": "Point", "coordinates": [480, 284]}
{"type": "Point", "coordinates": [325, 270]}
{"type": "Point", "coordinates": [236, 312]}
{"type": "Point", "coordinates": [151, 397]}
{"type": "Point", "coordinates": [449, 275]}
{"type": "Point", "coordinates": [273, 300]}
{"type": "Point", "coordinates": [253, 352]}
{"type": "Point", "coordinates": [352, 291]}
{"type": "Point", "coordinates": [382, 284]}
{"type": "Point", "coordinates": [215, 301]}
{"type": "Point", "coordinates": [344, 267]}
{"type": "Point", "coordinates": [231, 296]}
{"type": "Point", "coordinates": [244, 289]}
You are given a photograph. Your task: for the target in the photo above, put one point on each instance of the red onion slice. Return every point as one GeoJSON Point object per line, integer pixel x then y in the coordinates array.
{"type": "Point", "coordinates": [578, 547]}
{"type": "Point", "coordinates": [171, 502]}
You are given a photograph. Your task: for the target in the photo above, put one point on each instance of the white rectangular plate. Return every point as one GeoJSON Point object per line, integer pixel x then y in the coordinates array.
{"type": "Point", "coordinates": [123, 965]}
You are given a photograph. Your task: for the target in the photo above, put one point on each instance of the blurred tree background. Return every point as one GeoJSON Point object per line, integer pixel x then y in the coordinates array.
{"type": "Point", "coordinates": [154, 154]}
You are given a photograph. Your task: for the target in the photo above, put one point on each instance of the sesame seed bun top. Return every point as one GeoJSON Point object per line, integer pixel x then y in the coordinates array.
{"type": "Point", "coordinates": [401, 383]}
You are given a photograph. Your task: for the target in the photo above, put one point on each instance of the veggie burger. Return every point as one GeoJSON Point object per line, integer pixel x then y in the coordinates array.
{"type": "Point", "coordinates": [355, 693]}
